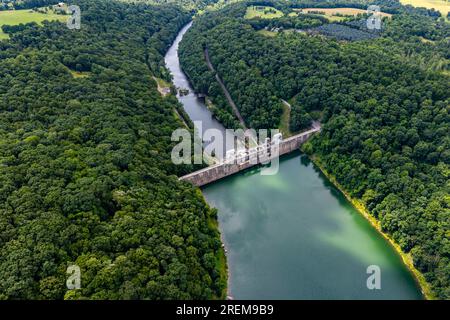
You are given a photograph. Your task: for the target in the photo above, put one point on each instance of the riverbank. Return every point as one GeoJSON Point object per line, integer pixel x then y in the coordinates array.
{"type": "Point", "coordinates": [361, 208]}
{"type": "Point", "coordinates": [221, 260]}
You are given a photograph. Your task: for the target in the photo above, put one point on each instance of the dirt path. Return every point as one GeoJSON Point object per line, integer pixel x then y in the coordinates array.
{"type": "Point", "coordinates": [225, 90]}
{"type": "Point", "coordinates": [287, 104]}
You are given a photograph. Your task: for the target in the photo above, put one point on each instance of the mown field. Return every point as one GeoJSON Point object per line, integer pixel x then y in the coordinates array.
{"type": "Point", "coordinates": [263, 12]}
{"type": "Point", "coordinates": [336, 14]}
{"type": "Point", "coordinates": [15, 17]}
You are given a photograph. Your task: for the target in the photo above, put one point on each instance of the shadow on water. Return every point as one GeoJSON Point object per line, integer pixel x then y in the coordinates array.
{"type": "Point", "coordinates": [304, 159]}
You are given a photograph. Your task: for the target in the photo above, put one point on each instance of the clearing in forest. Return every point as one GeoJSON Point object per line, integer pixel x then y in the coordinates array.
{"type": "Point", "coordinates": [79, 74]}
{"type": "Point", "coordinates": [15, 17]}
{"type": "Point", "coordinates": [263, 12]}
{"type": "Point", "coordinates": [163, 86]}
{"type": "Point", "coordinates": [336, 14]}
{"type": "Point", "coordinates": [285, 120]}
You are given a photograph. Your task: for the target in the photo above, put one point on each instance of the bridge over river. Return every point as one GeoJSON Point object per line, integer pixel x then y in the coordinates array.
{"type": "Point", "coordinates": [248, 158]}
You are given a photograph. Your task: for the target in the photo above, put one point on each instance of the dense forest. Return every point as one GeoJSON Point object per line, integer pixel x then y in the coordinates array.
{"type": "Point", "coordinates": [193, 5]}
{"type": "Point", "coordinates": [25, 4]}
{"type": "Point", "coordinates": [85, 169]}
{"type": "Point", "coordinates": [383, 102]}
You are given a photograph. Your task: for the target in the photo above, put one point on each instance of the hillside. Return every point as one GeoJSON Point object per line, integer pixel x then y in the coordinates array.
{"type": "Point", "coordinates": [85, 169]}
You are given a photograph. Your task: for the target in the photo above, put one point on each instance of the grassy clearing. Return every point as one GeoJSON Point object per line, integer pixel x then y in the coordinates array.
{"type": "Point", "coordinates": [285, 119]}
{"type": "Point", "coordinates": [443, 6]}
{"type": "Point", "coordinates": [15, 17]}
{"type": "Point", "coordinates": [162, 83]}
{"type": "Point", "coordinates": [263, 12]}
{"type": "Point", "coordinates": [425, 40]}
{"type": "Point", "coordinates": [337, 14]}
{"type": "Point", "coordinates": [77, 74]}
{"type": "Point", "coordinates": [217, 5]}
{"type": "Point", "coordinates": [163, 86]}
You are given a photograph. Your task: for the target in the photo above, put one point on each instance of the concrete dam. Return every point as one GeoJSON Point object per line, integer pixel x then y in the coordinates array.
{"type": "Point", "coordinates": [248, 158]}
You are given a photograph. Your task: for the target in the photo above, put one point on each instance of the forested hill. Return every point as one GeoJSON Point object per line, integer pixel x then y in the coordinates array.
{"type": "Point", "coordinates": [186, 4]}
{"type": "Point", "coordinates": [85, 170]}
{"type": "Point", "coordinates": [383, 102]}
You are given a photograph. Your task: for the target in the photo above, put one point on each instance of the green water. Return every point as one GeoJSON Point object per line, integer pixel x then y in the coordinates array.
{"type": "Point", "coordinates": [293, 235]}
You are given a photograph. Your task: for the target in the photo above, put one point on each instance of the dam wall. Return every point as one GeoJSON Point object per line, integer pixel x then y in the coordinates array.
{"type": "Point", "coordinates": [246, 159]}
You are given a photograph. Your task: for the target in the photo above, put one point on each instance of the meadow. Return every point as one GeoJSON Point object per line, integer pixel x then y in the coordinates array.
{"type": "Point", "coordinates": [15, 17]}
{"type": "Point", "coordinates": [337, 14]}
{"type": "Point", "coordinates": [263, 12]}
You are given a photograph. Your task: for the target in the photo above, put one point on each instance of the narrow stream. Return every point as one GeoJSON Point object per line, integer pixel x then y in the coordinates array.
{"type": "Point", "coordinates": [293, 235]}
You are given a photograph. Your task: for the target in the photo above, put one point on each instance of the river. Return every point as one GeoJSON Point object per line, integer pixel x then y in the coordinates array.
{"type": "Point", "coordinates": [293, 235]}
{"type": "Point", "coordinates": [195, 107]}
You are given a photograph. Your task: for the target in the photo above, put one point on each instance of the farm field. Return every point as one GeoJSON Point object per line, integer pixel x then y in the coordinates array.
{"type": "Point", "coordinates": [263, 12]}
{"type": "Point", "coordinates": [443, 6]}
{"type": "Point", "coordinates": [337, 14]}
{"type": "Point", "coordinates": [15, 17]}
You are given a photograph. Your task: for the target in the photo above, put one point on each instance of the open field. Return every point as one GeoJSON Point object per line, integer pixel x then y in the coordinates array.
{"type": "Point", "coordinates": [263, 12]}
{"type": "Point", "coordinates": [336, 14]}
{"type": "Point", "coordinates": [78, 74]}
{"type": "Point", "coordinates": [15, 17]}
{"type": "Point", "coordinates": [443, 6]}
{"type": "Point", "coordinates": [216, 6]}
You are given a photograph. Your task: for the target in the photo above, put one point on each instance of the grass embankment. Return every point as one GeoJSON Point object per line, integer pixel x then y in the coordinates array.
{"type": "Point", "coordinates": [361, 208]}
{"type": "Point", "coordinates": [263, 12]}
{"type": "Point", "coordinates": [16, 17]}
{"type": "Point", "coordinates": [284, 122]}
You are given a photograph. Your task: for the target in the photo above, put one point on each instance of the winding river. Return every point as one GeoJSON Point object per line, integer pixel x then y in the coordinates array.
{"type": "Point", "coordinates": [293, 235]}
